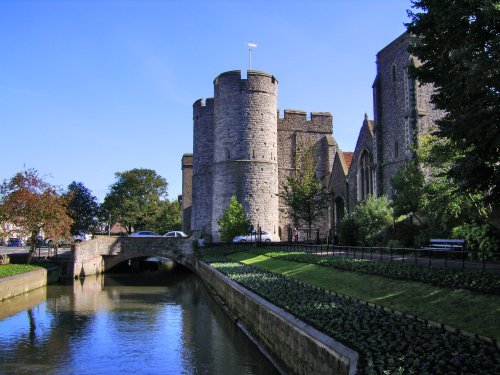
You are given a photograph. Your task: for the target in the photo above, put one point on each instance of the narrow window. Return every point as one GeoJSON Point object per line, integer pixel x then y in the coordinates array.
{"type": "Point", "coordinates": [396, 149]}
{"type": "Point", "coordinates": [228, 153]}
{"type": "Point", "coordinates": [394, 73]}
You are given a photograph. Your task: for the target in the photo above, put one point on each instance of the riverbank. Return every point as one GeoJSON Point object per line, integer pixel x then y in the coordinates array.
{"type": "Point", "coordinates": [15, 285]}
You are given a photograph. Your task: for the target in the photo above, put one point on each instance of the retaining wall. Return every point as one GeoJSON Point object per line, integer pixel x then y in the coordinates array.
{"type": "Point", "coordinates": [18, 284]}
{"type": "Point", "coordinates": [297, 347]}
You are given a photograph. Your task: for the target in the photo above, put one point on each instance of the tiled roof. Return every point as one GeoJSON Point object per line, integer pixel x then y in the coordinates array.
{"type": "Point", "coordinates": [348, 158]}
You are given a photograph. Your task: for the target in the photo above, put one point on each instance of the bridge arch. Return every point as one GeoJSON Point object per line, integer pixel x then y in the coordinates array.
{"type": "Point", "coordinates": [103, 252]}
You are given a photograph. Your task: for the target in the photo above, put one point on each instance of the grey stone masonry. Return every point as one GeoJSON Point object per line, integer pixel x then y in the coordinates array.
{"type": "Point", "coordinates": [245, 147]}
{"type": "Point", "coordinates": [241, 147]}
{"type": "Point", "coordinates": [402, 110]}
{"type": "Point", "coordinates": [187, 188]}
{"type": "Point", "coordinates": [203, 147]}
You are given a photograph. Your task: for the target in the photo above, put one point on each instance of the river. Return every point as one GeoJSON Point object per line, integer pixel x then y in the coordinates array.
{"type": "Point", "coordinates": [143, 323]}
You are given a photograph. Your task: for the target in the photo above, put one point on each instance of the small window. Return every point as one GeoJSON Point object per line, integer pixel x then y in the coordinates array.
{"type": "Point", "coordinates": [394, 73]}
{"type": "Point", "coordinates": [396, 149]}
{"type": "Point", "coordinates": [228, 153]}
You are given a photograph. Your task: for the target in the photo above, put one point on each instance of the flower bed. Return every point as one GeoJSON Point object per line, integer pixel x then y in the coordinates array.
{"type": "Point", "coordinates": [387, 342]}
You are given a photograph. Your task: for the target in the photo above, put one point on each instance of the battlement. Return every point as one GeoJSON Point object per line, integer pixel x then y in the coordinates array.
{"type": "Point", "coordinates": [200, 103]}
{"type": "Point", "coordinates": [232, 83]}
{"type": "Point", "coordinates": [295, 120]}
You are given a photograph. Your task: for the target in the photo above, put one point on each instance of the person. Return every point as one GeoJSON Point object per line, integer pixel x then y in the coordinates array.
{"type": "Point", "coordinates": [296, 235]}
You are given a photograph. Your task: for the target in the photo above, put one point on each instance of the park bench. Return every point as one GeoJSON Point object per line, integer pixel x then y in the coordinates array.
{"type": "Point", "coordinates": [446, 244]}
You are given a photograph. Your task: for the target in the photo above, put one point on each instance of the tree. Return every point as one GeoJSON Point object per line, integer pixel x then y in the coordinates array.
{"type": "Point", "coordinates": [135, 198]}
{"type": "Point", "coordinates": [303, 192]}
{"type": "Point", "coordinates": [34, 206]}
{"type": "Point", "coordinates": [169, 218]}
{"type": "Point", "coordinates": [368, 222]}
{"type": "Point", "coordinates": [408, 185]}
{"type": "Point", "coordinates": [233, 221]}
{"type": "Point", "coordinates": [458, 44]}
{"type": "Point", "coordinates": [424, 189]}
{"type": "Point", "coordinates": [83, 208]}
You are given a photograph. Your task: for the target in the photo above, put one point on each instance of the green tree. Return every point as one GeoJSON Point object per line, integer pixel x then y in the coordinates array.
{"type": "Point", "coordinates": [169, 218]}
{"type": "Point", "coordinates": [367, 224]}
{"type": "Point", "coordinates": [408, 184]}
{"type": "Point", "coordinates": [83, 208]}
{"type": "Point", "coordinates": [458, 44]}
{"type": "Point", "coordinates": [134, 200]}
{"type": "Point", "coordinates": [303, 192]}
{"type": "Point", "coordinates": [233, 221]}
{"type": "Point", "coordinates": [34, 206]}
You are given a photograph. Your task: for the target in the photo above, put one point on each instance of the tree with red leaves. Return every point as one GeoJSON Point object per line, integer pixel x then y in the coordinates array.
{"type": "Point", "coordinates": [34, 206]}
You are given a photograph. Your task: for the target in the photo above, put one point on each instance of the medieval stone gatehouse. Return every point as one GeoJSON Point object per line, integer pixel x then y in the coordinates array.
{"type": "Point", "coordinates": [242, 147]}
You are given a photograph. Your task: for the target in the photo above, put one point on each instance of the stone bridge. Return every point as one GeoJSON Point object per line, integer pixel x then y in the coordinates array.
{"type": "Point", "coordinates": [103, 252]}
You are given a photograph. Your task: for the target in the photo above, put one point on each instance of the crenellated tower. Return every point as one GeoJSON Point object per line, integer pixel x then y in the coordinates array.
{"type": "Point", "coordinates": [203, 151]}
{"type": "Point", "coordinates": [241, 147]}
{"type": "Point", "coordinates": [245, 160]}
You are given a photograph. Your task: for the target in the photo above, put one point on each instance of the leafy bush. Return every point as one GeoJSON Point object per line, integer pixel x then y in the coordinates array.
{"type": "Point", "coordinates": [481, 239]}
{"type": "Point", "coordinates": [367, 223]}
{"type": "Point", "coordinates": [233, 221]}
{"type": "Point", "coordinates": [388, 343]}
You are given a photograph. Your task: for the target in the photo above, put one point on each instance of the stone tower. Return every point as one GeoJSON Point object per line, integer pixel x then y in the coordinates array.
{"type": "Point", "coordinates": [245, 150]}
{"type": "Point", "coordinates": [203, 149]}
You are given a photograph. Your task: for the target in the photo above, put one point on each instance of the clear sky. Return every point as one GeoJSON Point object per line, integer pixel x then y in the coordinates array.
{"type": "Point", "coordinates": [90, 88]}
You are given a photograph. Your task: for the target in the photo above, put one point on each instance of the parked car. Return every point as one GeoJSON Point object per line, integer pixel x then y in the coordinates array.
{"type": "Point", "coordinates": [144, 233]}
{"type": "Point", "coordinates": [175, 233]}
{"type": "Point", "coordinates": [15, 242]}
{"type": "Point", "coordinates": [80, 236]}
{"type": "Point", "coordinates": [254, 237]}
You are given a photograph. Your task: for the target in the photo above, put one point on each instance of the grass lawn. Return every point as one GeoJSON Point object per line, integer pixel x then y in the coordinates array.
{"type": "Point", "coordinates": [462, 309]}
{"type": "Point", "coordinates": [15, 269]}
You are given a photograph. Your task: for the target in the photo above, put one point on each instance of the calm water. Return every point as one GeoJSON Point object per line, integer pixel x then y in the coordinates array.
{"type": "Point", "coordinates": [124, 324]}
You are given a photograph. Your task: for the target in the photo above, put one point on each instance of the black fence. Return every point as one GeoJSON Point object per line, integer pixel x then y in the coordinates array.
{"type": "Point", "coordinates": [456, 259]}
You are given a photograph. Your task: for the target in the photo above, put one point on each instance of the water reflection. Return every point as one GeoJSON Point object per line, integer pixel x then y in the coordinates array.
{"type": "Point", "coordinates": [127, 324]}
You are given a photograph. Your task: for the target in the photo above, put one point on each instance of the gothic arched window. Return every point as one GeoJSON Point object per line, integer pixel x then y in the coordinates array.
{"type": "Point", "coordinates": [339, 210]}
{"type": "Point", "coordinates": [365, 184]}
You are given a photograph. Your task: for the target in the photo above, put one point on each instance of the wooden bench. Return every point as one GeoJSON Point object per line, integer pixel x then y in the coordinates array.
{"type": "Point", "coordinates": [446, 244]}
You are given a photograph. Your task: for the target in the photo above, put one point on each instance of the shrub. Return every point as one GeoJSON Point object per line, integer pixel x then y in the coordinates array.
{"type": "Point", "coordinates": [233, 221]}
{"type": "Point", "coordinates": [481, 239]}
{"type": "Point", "coordinates": [367, 224]}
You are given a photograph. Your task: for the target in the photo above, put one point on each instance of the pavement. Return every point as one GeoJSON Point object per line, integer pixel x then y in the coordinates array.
{"type": "Point", "coordinates": [42, 252]}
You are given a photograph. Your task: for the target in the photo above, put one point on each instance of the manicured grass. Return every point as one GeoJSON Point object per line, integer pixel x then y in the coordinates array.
{"type": "Point", "coordinates": [15, 269]}
{"type": "Point", "coordinates": [462, 309]}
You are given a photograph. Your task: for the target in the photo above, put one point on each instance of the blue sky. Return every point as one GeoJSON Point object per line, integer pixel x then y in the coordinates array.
{"type": "Point", "coordinates": [90, 88]}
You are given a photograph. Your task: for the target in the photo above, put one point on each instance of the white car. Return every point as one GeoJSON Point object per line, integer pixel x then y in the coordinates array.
{"type": "Point", "coordinates": [80, 237]}
{"type": "Point", "coordinates": [144, 233]}
{"type": "Point", "coordinates": [254, 237]}
{"type": "Point", "coordinates": [175, 233]}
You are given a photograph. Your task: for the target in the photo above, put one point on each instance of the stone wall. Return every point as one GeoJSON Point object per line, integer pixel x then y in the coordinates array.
{"type": "Point", "coordinates": [18, 284]}
{"type": "Point", "coordinates": [365, 143]}
{"type": "Point", "coordinates": [103, 252]}
{"type": "Point", "coordinates": [402, 110]}
{"type": "Point", "coordinates": [203, 149]}
{"type": "Point", "coordinates": [296, 347]}
{"type": "Point", "coordinates": [187, 189]}
{"type": "Point", "coordinates": [295, 133]}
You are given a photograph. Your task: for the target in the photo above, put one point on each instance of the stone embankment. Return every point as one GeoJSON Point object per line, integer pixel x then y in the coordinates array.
{"type": "Point", "coordinates": [18, 284]}
{"type": "Point", "coordinates": [296, 347]}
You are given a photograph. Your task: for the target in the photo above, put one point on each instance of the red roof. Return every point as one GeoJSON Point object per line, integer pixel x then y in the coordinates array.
{"type": "Point", "coordinates": [348, 158]}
